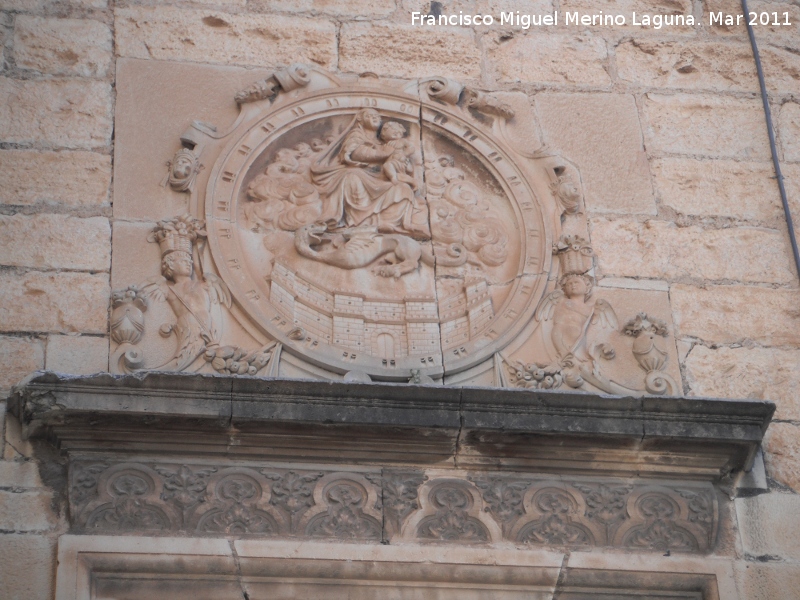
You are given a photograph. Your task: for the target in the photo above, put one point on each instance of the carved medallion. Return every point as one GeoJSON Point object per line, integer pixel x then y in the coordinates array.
{"type": "Point", "coordinates": [375, 229]}
{"type": "Point", "coordinates": [371, 228]}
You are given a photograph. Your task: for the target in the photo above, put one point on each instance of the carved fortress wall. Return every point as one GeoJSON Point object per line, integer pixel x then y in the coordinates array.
{"type": "Point", "coordinates": [666, 127]}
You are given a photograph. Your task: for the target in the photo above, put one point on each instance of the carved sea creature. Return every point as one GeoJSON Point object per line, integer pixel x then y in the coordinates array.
{"type": "Point", "coordinates": [359, 247]}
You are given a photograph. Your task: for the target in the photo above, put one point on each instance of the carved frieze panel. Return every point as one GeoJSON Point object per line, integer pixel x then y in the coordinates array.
{"type": "Point", "coordinates": [392, 505]}
{"type": "Point", "coordinates": [366, 229]}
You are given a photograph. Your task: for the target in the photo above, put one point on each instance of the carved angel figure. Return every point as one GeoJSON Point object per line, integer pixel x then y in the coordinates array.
{"type": "Point", "coordinates": [572, 310]}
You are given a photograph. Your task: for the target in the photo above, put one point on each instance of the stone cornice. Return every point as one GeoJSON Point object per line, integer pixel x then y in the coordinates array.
{"type": "Point", "coordinates": [370, 423]}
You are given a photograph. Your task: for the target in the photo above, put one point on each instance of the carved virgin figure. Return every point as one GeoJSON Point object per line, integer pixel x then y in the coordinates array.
{"type": "Point", "coordinates": [364, 180]}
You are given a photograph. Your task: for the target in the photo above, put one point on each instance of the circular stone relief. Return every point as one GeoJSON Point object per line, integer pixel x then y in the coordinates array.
{"type": "Point", "coordinates": [370, 232]}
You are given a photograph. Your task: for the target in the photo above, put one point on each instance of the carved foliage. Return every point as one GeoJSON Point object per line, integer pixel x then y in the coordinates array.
{"type": "Point", "coordinates": [400, 496]}
{"type": "Point", "coordinates": [393, 505]}
{"type": "Point", "coordinates": [503, 498]}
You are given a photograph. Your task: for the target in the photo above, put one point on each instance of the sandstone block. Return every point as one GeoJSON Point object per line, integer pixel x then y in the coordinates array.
{"type": "Point", "coordinates": [55, 242]}
{"type": "Point", "coordinates": [62, 46]}
{"type": "Point", "coordinates": [757, 373]}
{"type": "Point", "coordinates": [708, 125]}
{"type": "Point", "coordinates": [773, 33]}
{"type": "Point", "coordinates": [167, 33]}
{"type": "Point", "coordinates": [724, 65]}
{"type": "Point", "coordinates": [26, 511]}
{"type": "Point", "coordinates": [627, 7]}
{"type": "Point", "coordinates": [15, 474]}
{"type": "Point", "coordinates": [495, 7]}
{"type": "Point", "coordinates": [574, 59]}
{"type": "Point", "coordinates": [58, 302]}
{"type": "Point", "coordinates": [66, 113]}
{"type": "Point", "coordinates": [782, 454]}
{"type": "Point", "coordinates": [339, 8]}
{"type": "Point", "coordinates": [759, 581]}
{"type": "Point", "coordinates": [77, 355]}
{"type": "Point", "coordinates": [72, 178]}
{"type": "Point", "coordinates": [38, 554]}
{"type": "Point", "coordinates": [662, 250]}
{"type": "Point", "coordinates": [728, 188]}
{"type": "Point", "coordinates": [578, 125]}
{"type": "Point", "coordinates": [408, 51]}
{"type": "Point", "coordinates": [789, 130]}
{"type": "Point", "coordinates": [19, 356]}
{"type": "Point", "coordinates": [768, 525]}
{"type": "Point", "coordinates": [730, 313]}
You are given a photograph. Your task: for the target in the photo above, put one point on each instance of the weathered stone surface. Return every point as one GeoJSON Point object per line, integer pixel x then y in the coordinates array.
{"type": "Point", "coordinates": [407, 51]}
{"type": "Point", "coordinates": [134, 258]}
{"type": "Point", "coordinates": [37, 578]}
{"type": "Point", "coordinates": [551, 58]}
{"type": "Point", "coordinates": [764, 33]}
{"type": "Point", "coordinates": [728, 188]}
{"type": "Point", "coordinates": [33, 6]}
{"type": "Point", "coordinates": [768, 525]}
{"type": "Point", "coordinates": [789, 130]}
{"type": "Point", "coordinates": [723, 65]}
{"type": "Point", "coordinates": [708, 125]}
{"type": "Point", "coordinates": [339, 8]}
{"type": "Point", "coordinates": [58, 302]}
{"type": "Point", "coordinates": [759, 373]}
{"type": "Point", "coordinates": [62, 46]}
{"type": "Point", "coordinates": [72, 178]}
{"type": "Point", "coordinates": [55, 241]}
{"type": "Point", "coordinates": [15, 474]}
{"type": "Point", "coordinates": [65, 113]}
{"type": "Point", "coordinates": [495, 7]}
{"type": "Point", "coordinates": [759, 581]}
{"type": "Point", "coordinates": [661, 249]}
{"type": "Point", "coordinates": [730, 313]}
{"type": "Point", "coordinates": [210, 36]}
{"type": "Point", "coordinates": [627, 7]}
{"type": "Point", "coordinates": [153, 101]}
{"type": "Point", "coordinates": [19, 356]}
{"type": "Point", "coordinates": [77, 355]}
{"type": "Point", "coordinates": [782, 454]}
{"type": "Point", "coordinates": [578, 124]}
{"type": "Point", "coordinates": [26, 511]}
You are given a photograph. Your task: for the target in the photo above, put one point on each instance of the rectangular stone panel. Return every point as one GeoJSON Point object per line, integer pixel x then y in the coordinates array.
{"type": "Point", "coordinates": [580, 125]}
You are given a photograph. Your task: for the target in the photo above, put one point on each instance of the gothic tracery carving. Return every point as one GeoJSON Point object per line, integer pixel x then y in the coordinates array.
{"type": "Point", "coordinates": [485, 507]}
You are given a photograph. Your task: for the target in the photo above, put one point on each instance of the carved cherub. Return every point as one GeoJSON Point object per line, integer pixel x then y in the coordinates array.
{"type": "Point", "coordinates": [572, 310]}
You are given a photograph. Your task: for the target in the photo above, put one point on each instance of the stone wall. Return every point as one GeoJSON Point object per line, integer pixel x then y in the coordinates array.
{"type": "Point", "coordinates": [673, 151]}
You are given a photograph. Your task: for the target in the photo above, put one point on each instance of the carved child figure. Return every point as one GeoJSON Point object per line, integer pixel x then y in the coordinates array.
{"type": "Point", "coordinates": [398, 166]}
{"type": "Point", "coordinates": [571, 314]}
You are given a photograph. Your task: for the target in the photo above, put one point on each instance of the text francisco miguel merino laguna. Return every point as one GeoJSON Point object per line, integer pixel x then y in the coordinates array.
{"type": "Point", "coordinates": [525, 21]}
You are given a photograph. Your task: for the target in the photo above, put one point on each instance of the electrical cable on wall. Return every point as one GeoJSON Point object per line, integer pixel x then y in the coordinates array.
{"type": "Point", "coordinates": [770, 131]}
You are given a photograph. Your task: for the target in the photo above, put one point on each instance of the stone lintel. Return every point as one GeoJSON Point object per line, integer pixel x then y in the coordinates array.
{"type": "Point", "coordinates": [372, 423]}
